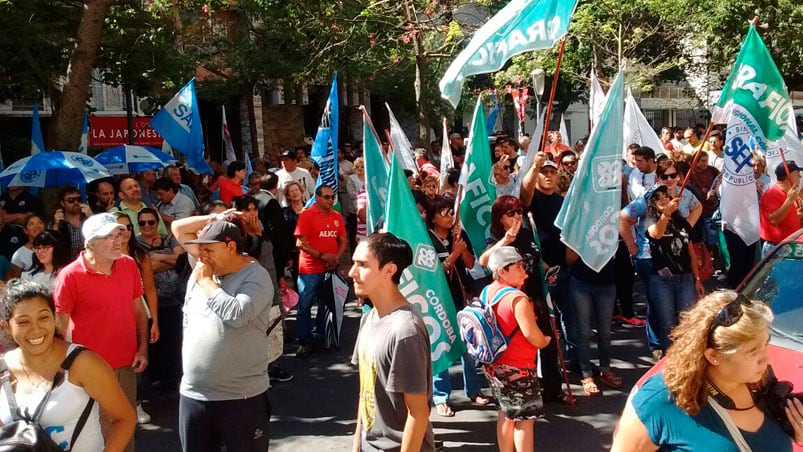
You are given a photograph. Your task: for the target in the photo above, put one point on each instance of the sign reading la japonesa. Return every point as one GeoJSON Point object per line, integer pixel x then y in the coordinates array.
{"type": "Point", "coordinates": [108, 131]}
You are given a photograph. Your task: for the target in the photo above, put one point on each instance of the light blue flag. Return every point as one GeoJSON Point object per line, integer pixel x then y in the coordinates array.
{"type": "Point", "coordinates": [424, 282]}
{"type": "Point", "coordinates": [324, 148]}
{"type": "Point", "coordinates": [479, 193]}
{"type": "Point", "coordinates": [84, 145]}
{"type": "Point", "coordinates": [249, 166]}
{"type": "Point", "coordinates": [521, 26]}
{"type": "Point", "coordinates": [179, 123]}
{"type": "Point", "coordinates": [37, 142]}
{"type": "Point", "coordinates": [376, 176]}
{"type": "Point", "coordinates": [589, 217]}
{"type": "Point", "coordinates": [491, 124]}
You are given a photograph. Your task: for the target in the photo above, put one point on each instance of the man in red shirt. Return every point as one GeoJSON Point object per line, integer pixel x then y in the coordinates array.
{"type": "Point", "coordinates": [99, 305]}
{"type": "Point", "coordinates": [321, 238]}
{"type": "Point", "coordinates": [779, 208]}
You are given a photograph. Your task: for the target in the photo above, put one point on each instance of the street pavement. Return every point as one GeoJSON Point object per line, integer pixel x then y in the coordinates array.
{"type": "Point", "coordinates": [316, 411]}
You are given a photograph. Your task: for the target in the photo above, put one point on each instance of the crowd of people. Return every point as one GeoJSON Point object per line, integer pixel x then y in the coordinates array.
{"type": "Point", "coordinates": [170, 282]}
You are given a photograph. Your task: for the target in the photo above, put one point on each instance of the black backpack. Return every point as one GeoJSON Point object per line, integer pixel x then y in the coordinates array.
{"type": "Point", "coordinates": [25, 434]}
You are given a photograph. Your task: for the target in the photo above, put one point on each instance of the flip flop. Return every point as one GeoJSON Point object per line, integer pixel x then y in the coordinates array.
{"type": "Point", "coordinates": [480, 399]}
{"type": "Point", "coordinates": [610, 380]}
{"type": "Point", "coordinates": [590, 387]}
{"type": "Point", "coordinates": [444, 410]}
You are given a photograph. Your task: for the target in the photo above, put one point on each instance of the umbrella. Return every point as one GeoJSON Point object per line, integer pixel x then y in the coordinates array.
{"type": "Point", "coordinates": [53, 169]}
{"type": "Point", "coordinates": [128, 159]}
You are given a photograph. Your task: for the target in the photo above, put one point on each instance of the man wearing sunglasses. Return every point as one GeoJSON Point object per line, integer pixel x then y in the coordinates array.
{"type": "Point", "coordinates": [69, 218]}
{"type": "Point", "coordinates": [321, 239]}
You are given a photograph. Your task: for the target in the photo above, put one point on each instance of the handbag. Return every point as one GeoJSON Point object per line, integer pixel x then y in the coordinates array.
{"type": "Point", "coordinates": [24, 433]}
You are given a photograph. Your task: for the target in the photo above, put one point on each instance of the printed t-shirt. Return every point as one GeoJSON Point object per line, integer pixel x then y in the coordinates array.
{"type": "Point", "coordinates": [101, 307]}
{"type": "Point", "coordinates": [321, 231]}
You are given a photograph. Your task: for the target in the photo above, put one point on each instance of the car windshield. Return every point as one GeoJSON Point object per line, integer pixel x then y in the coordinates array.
{"type": "Point", "coordinates": [778, 282]}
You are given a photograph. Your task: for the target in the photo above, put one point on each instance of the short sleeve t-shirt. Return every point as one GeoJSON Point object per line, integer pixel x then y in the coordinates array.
{"type": "Point", "coordinates": [101, 307]}
{"type": "Point", "coordinates": [393, 356]}
{"type": "Point", "coordinates": [670, 428]}
{"type": "Point", "coordinates": [771, 201]}
{"type": "Point", "coordinates": [545, 209]}
{"type": "Point", "coordinates": [321, 231]}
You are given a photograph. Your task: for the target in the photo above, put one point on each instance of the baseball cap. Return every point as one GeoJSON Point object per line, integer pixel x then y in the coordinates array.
{"type": "Point", "coordinates": [549, 163]}
{"type": "Point", "coordinates": [99, 226]}
{"type": "Point", "coordinates": [288, 155]}
{"type": "Point", "coordinates": [780, 171]}
{"type": "Point", "coordinates": [218, 232]}
{"type": "Point", "coordinates": [502, 257]}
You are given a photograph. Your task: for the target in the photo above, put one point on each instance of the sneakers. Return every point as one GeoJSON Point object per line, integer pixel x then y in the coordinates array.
{"type": "Point", "coordinates": [142, 416]}
{"type": "Point", "coordinates": [303, 351]}
{"type": "Point", "coordinates": [279, 375]}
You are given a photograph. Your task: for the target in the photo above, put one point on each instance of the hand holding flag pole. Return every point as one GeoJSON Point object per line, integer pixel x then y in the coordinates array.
{"type": "Point", "coordinates": [552, 90]}
{"type": "Point", "coordinates": [696, 158]}
{"type": "Point", "coordinates": [552, 321]}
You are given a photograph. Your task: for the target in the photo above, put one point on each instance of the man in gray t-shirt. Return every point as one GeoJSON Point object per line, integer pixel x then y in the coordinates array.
{"type": "Point", "coordinates": [392, 353]}
{"type": "Point", "coordinates": [224, 389]}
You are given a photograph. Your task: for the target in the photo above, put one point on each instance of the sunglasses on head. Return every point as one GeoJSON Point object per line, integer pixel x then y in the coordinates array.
{"type": "Point", "coordinates": [148, 222]}
{"type": "Point", "coordinates": [72, 200]}
{"type": "Point", "coordinates": [447, 212]}
{"type": "Point", "coordinates": [514, 212]}
{"type": "Point", "coordinates": [727, 316]}
{"type": "Point", "coordinates": [667, 176]}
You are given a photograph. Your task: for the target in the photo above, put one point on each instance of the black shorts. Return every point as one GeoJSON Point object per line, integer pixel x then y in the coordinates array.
{"type": "Point", "coordinates": [517, 391]}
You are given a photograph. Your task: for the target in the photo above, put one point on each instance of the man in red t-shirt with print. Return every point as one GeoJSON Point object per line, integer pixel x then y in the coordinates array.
{"type": "Point", "coordinates": [321, 238]}
{"type": "Point", "coordinates": [779, 209]}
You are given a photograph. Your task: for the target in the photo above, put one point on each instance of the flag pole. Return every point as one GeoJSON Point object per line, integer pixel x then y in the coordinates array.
{"type": "Point", "coordinates": [373, 130]}
{"type": "Point", "coordinates": [552, 90]}
{"type": "Point", "coordinates": [696, 157]}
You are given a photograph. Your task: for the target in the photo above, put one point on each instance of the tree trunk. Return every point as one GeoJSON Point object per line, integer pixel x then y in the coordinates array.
{"type": "Point", "coordinates": [68, 119]}
{"type": "Point", "coordinates": [421, 101]}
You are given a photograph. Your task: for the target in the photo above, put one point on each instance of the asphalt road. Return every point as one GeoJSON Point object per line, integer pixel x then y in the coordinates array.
{"type": "Point", "coordinates": [316, 410]}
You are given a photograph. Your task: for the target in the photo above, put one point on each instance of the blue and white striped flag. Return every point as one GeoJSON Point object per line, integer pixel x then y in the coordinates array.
{"type": "Point", "coordinates": [83, 147]}
{"type": "Point", "coordinates": [589, 217]}
{"type": "Point", "coordinates": [37, 142]}
{"type": "Point", "coordinates": [324, 148]}
{"type": "Point", "coordinates": [179, 122]}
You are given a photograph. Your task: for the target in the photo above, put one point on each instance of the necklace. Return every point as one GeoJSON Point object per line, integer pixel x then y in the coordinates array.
{"type": "Point", "coordinates": [30, 380]}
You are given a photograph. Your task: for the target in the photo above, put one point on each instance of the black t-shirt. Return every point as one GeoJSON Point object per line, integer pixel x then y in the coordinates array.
{"type": "Point", "coordinates": [24, 203]}
{"type": "Point", "coordinates": [584, 273]}
{"type": "Point", "coordinates": [454, 278]}
{"type": "Point", "coordinates": [545, 209]}
{"type": "Point", "coordinates": [672, 250]}
{"type": "Point", "coordinates": [11, 238]}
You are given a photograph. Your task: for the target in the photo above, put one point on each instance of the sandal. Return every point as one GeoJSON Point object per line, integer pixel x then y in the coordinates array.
{"type": "Point", "coordinates": [480, 399]}
{"type": "Point", "coordinates": [590, 387]}
{"type": "Point", "coordinates": [610, 380]}
{"type": "Point", "coordinates": [560, 399]}
{"type": "Point", "coordinates": [444, 410]}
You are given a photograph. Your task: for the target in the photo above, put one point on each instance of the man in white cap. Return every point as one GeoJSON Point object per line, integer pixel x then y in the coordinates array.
{"type": "Point", "coordinates": [99, 304]}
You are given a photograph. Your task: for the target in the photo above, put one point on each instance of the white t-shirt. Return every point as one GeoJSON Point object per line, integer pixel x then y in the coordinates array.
{"type": "Point", "coordinates": [23, 258]}
{"type": "Point", "coordinates": [299, 175]}
{"type": "Point", "coordinates": [639, 182]}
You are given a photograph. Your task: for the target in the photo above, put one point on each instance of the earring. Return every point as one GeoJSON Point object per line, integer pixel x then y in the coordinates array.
{"type": "Point", "coordinates": [715, 361]}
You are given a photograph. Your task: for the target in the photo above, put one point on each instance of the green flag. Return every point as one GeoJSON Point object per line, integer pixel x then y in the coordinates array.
{"type": "Point", "coordinates": [479, 193]}
{"type": "Point", "coordinates": [376, 176]}
{"type": "Point", "coordinates": [756, 107]}
{"type": "Point", "coordinates": [424, 282]}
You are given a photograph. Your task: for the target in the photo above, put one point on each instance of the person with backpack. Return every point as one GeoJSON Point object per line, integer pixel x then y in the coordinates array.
{"type": "Point", "coordinates": [512, 375]}
{"type": "Point", "coordinates": [456, 254]}
{"type": "Point", "coordinates": [63, 378]}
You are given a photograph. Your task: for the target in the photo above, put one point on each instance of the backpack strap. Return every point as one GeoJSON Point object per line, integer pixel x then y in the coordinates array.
{"type": "Point", "coordinates": [6, 379]}
{"type": "Point", "coordinates": [496, 299]}
{"type": "Point", "coordinates": [73, 352]}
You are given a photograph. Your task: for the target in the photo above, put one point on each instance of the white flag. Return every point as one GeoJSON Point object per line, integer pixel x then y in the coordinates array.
{"type": "Point", "coordinates": [596, 99]}
{"type": "Point", "coordinates": [227, 144]}
{"type": "Point", "coordinates": [563, 132]}
{"type": "Point", "coordinates": [637, 129]}
{"type": "Point", "coordinates": [400, 144]}
{"type": "Point", "coordinates": [447, 161]}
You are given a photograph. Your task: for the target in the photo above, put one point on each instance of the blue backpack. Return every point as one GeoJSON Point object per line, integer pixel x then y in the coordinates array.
{"type": "Point", "coordinates": [484, 340]}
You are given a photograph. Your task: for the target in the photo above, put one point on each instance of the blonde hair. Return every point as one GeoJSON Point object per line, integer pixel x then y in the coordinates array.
{"type": "Point", "coordinates": [685, 370]}
{"type": "Point", "coordinates": [286, 190]}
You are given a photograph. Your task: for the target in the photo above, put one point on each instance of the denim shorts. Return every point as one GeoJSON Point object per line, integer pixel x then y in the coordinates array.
{"type": "Point", "coordinates": [517, 391]}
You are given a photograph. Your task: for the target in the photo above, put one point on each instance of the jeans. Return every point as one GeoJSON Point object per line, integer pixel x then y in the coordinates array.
{"type": "Point", "coordinates": [669, 297]}
{"type": "Point", "coordinates": [308, 287]}
{"type": "Point", "coordinates": [442, 384]}
{"type": "Point", "coordinates": [588, 299]}
{"type": "Point", "coordinates": [644, 270]}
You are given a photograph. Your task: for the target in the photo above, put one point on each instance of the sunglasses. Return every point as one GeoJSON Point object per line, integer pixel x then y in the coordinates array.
{"type": "Point", "coordinates": [446, 212]}
{"type": "Point", "coordinates": [130, 227]}
{"type": "Point", "coordinates": [727, 316]}
{"type": "Point", "coordinates": [507, 167]}
{"type": "Point", "coordinates": [569, 162]}
{"type": "Point", "coordinates": [327, 197]}
{"type": "Point", "coordinates": [148, 222]}
{"type": "Point", "coordinates": [668, 176]}
{"type": "Point", "coordinates": [72, 200]}
{"type": "Point", "coordinates": [514, 212]}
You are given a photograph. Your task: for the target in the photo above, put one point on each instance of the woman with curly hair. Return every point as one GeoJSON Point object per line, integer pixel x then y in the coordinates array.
{"type": "Point", "coordinates": [709, 396]}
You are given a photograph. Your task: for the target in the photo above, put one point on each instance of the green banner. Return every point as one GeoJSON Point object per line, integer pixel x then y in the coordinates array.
{"type": "Point", "coordinates": [424, 282]}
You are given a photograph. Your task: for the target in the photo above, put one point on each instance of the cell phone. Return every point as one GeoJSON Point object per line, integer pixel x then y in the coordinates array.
{"type": "Point", "coordinates": [552, 272]}
{"type": "Point", "coordinates": [664, 273]}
